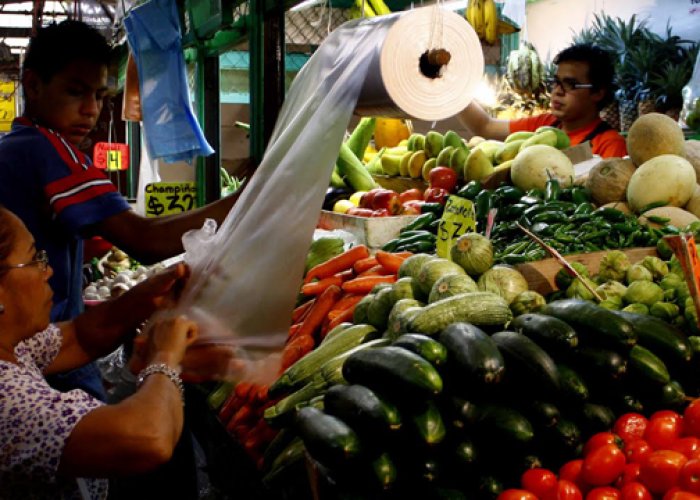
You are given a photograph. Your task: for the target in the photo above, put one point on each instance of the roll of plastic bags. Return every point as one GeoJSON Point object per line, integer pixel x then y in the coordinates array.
{"type": "Point", "coordinates": [172, 130]}
{"type": "Point", "coordinates": [246, 276]}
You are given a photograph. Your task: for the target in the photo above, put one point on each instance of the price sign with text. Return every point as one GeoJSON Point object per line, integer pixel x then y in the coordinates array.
{"type": "Point", "coordinates": [166, 198]}
{"type": "Point", "coordinates": [458, 218]}
{"type": "Point", "coordinates": [684, 248]}
{"type": "Point", "coordinates": [111, 156]}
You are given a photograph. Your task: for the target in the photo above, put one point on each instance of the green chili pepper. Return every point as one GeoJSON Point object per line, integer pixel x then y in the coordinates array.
{"type": "Point", "coordinates": [509, 194]}
{"type": "Point", "coordinates": [470, 190]}
{"type": "Point", "coordinates": [550, 217]}
{"type": "Point", "coordinates": [537, 193]}
{"type": "Point", "coordinates": [552, 190]}
{"type": "Point", "coordinates": [584, 208]}
{"type": "Point", "coordinates": [651, 206]}
{"type": "Point", "coordinates": [421, 222]}
{"type": "Point", "coordinates": [579, 195]}
{"type": "Point", "coordinates": [623, 228]}
{"type": "Point", "coordinates": [611, 214]}
{"type": "Point", "coordinates": [592, 247]}
{"type": "Point", "coordinates": [595, 235]}
{"type": "Point", "coordinates": [484, 203]}
{"type": "Point", "coordinates": [659, 220]}
{"type": "Point", "coordinates": [530, 200]}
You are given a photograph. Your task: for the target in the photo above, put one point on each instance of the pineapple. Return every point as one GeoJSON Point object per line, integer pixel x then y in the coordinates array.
{"type": "Point", "coordinates": [628, 114]}
{"type": "Point", "coordinates": [611, 115]}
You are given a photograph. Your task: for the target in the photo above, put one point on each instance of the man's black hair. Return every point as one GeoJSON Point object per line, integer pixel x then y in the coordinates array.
{"type": "Point", "coordinates": [601, 70]}
{"type": "Point", "coordinates": [57, 45]}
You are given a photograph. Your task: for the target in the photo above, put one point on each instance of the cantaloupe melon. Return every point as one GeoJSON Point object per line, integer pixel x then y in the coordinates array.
{"type": "Point", "coordinates": [618, 205]}
{"type": "Point", "coordinates": [678, 216]}
{"type": "Point", "coordinates": [692, 154]}
{"type": "Point", "coordinates": [533, 167]}
{"type": "Point", "coordinates": [608, 180]}
{"type": "Point", "coordinates": [693, 205]}
{"type": "Point", "coordinates": [667, 178]}
{"type": "Point", "coordinates": [654, 135]}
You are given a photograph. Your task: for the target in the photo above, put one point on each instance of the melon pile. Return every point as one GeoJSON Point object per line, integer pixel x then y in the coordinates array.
{"type": "Point", "coordinates": [662, 167]}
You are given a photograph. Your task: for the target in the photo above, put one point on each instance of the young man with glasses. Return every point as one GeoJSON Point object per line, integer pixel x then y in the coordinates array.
{"type": "Point", "coordinates": [582, 87]}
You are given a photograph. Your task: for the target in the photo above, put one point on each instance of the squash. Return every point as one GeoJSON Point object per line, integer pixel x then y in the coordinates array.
{"type": "Point", "coordinates": [693, 205]}
{"type": "Point", "coordinates": [654, 135]}
{"type": "Point", "coordinates": [451, 285]}
{"type": "Point", "coordinates": [533, 167]}
{"type": "Point", "coordinates": [667, 178]}
{"type": "Point", "coordinates": [608, 180]}
{"type": "Point", "coordinates": [678, 216]}
{"type": "Point", "coordinates": [478, 308]}
{"type": "Point", "coordinates": [434, 270]}
{"type": "Point", "coordinates": [692, 154]}
{"type": "Point", "coordinates": [473, 252]}
{"type": "Point", "coordinates": [412, 265]}
{"type": "Point", "coordinates": [503, 280]}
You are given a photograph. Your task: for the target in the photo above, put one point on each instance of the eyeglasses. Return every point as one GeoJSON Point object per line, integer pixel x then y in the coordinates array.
{"type": "Point", "coordinates": [566, 85]}
{"type": "Point", "coordinates": [41, 257]}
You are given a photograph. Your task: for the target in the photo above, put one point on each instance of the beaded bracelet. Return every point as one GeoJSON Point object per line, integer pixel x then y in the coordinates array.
{"type": "Point", "coordinates": [172, 374]}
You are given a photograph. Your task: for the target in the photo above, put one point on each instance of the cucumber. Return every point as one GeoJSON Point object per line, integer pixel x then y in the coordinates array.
{"type": "Point", "coordinates": [379, 309]}
{"type": "Point", "coordinates": [287, 463]}
{"type": "Point", "coordinates": [573, 386]}
{"type": "Point", "coordinates": [451, 285]}
{"type": "Point", "coordinates": [551, 334]}
{"type": "Point", "coordinates": [360, 317]}
{"type": "Point", "coordinates": [395, 371]}
{"type": "Point", "coordinates": [596, 325]}
{"type": "Point", "coordinates": [479, 308]}
{"type": "Point", "coordinates": [465, 453]}
{"type": "Point", "coordinates": [504, 424]}
{"type": "Point", "coordinates": [429, 425]}
{"type": "Point", "coordinates": [385, 471]}
{"type": "Point", "coordinates": [407, 288]}
{"type": "Point", "coordinates": [490, 488]}
{"type": "Point", "coordinates": [281, 414]}
{"type": "Point", "coordinates": [565, 437]}
{"type": "Point", "coordinates": [391, 412]}
{"type": "Point", "coordinates": [595, 418]}
{"type": "Point", "coordinates": [664, 339]}
{"type": "Point", "coordinates": [461, 413]}
{"type": "Point", "coordinates": [435, 269]}
{"type": "Point", "coordinates": [528, 366]}
{"type": "Point", "coordinates": [397, 323]}
{"type": "Point", "coordinates": [429, 349]}
{"type": "Point", "coordinates": [541, 414]}
{"type": "Point", "coordinates": [600, 364]}
{"type": "Point", "coordinates": [472, 354]}
{"type": "Point", "coordinates": [669, 397]}
{"type": "Point", "coordinates": [412, 265]}
{"type": "Point", "coordinates": [359, 407]}
{"type": "Point", "coordinates": [278, 444]}
{"type": "Point", "coordinates": [625, 402]}
{"type": "Point", "coordinates": [328, 439]}
{"type": "Point", "coordinates": [647, 367]}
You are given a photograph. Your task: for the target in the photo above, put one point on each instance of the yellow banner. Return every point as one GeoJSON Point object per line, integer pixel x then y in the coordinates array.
{"type": "Point", "coordinates": [7, 105]}
{"type": "Point", "coordinates": [165, 198]}
{"type": "Point", "coordinates": [458, 218]}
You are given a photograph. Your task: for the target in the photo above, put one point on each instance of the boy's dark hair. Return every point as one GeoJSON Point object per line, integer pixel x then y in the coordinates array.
{"type": "Point", "coordinates": [601, 70]}
{"type": "Point", "coordinates": [57, 45]}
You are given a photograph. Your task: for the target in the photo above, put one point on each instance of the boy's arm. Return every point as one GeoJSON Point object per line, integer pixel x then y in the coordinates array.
{"type": "Point", "coordinates": [475, 119]}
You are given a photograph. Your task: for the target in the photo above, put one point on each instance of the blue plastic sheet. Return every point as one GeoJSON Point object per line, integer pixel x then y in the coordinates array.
{"type": "Point", "coordinates": [172, 130]}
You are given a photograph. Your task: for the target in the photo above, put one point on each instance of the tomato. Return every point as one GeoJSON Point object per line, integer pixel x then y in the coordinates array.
{"type": "Point", "coordinates": [564, 490]}
{"type": "Point", "coordinates": [538, 481]}
{"type": "Point", "coordinates": [682, 495]}
{"type": "Point", "coordinates": [606, 493]}
{"type": "Point", "coordinates": [637, 450]}
{"type": "Point", "coordinates": [603, 465]}
{"type": "Point", "coordinates": [671, 492]}
{"type": "Point", "coordinates": [387, 200]}
{"type": "Point", "coordinates": [366, 199]}
{"type": "Point", "coordinates": [436, 195]}
{"type": "Point", "coordinates": [598, 440]}
{"type": "Point", "coordinates": [660, 471]}
{"type": "Point", "coordinates": [382, 212]}
{"type": "Point", "coordinates": [443, 177]}
{"type": "Point", "coordinates": [689, 446]}
{"type": "Point", "coordinates": [630, 474]}
{"type": "Point", "coordinates": [689, 480]}
{"type": "Point", "coordinates": [360, 212]}
{"type": "Point", "coordinates": [662, 432]}
{"type": "Point", "coordinates": [414, 194]}
{"type": "Point", "coordinates": [691, 419]}
{"type": "Point", "coordinates": [635, 491]}
{"type": "Point", "coordinates": [410, 209]}
{"type": "Point", "coordinates": [630, 426]}
{"type": "Point", "coordinates": [669, 414]}
{"type": "Point", "coordinates": [573, 472]}
{"type": "Point", "coordinates": [513, 494]}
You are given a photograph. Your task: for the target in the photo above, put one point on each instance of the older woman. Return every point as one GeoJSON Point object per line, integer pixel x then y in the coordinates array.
{"type": "Point", "coordinates": [58, 445]}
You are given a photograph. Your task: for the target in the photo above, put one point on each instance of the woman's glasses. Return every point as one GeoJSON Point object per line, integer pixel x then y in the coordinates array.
{"type": "Point", "coordinates": [40, 258]}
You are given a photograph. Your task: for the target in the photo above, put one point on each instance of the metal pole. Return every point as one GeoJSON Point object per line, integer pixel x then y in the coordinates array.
{"type": "Point", "coordinates": [211, 123]}
{"type": "Point", "coordinates": [274, 71]}
{"type": "Point", "coordinates": [256, 71]}
{"type": "Point", "coordinates": [133, 139]}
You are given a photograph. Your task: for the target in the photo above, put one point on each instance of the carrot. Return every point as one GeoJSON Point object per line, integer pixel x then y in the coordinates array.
{"type": "Point", "coordinates": [293, 330]}
{"type": "Point", "coordinates": [257, 430]}
{"type": "Point", "coordinates": [338, 263]}
{"type": "Point", "coordinates": [389, 261]}
{"type": "Point", "coordinates": [378, 270]}
{"type": "Point", "coordinates": [324, 326]}
{"type": "Point", "coordinates": [242, 389]}
{"type": "Point", "coordinates": [261, 396]}
{"type": "Point", "coordinates": [347, 275]}
{"type": "Point", "coordinates": [344, 316]}
{"type": "Point", "coordinates": [229, 408]}
{"type": "Point", "coordinates": [299, 311]}
{"type": "Point", "coordinates": [348, 301]}
{"type": "Point", "coordinates": [366, 283]}
{"type": "Point", "coordinates": [244, 415]}
{"type": "Point", "coordinates": [253, 444]}
{"type": "Point", "coordinates": [318, 313]}
{"type": "Point", "coordinates": [239, 431]}
{"type": "Point", "coordinates": [318, 287]}
{"type": "Point", "coordinates": [296, 350]}
{"type": "Point", "coordinates": [404, 255]}
{"type": "Point", "coordinates": [260, 462]}
{"type": "Point", "coordinates": [364, 264]}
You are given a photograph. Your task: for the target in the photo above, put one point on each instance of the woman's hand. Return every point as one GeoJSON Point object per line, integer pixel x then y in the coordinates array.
{"type": "Point", "coordinates": [168, 339]}
{"type": "Point", "coordinates": [163, 290]}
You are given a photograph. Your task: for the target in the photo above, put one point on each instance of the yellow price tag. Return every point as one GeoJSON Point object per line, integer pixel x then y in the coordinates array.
{"type": "Point", "coordinates": [165, 198]}
{"type": "Point", "coordinates": [114, 160]}
{"type": "Point", "coordinates": [458, 218]}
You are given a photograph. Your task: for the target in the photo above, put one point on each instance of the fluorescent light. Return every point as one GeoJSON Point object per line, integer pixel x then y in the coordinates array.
{"type": "Point", "coordinates": [485, 94]}
{"type": "Point", "coordinates": [307, 4]}
{"type": "Point", "coordinates": [455, 5]}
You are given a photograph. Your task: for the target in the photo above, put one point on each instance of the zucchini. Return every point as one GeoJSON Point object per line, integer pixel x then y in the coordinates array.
{"type": "Point", "coordinates": [397, 322]}
{"type": "Point", "coordinates": [290, 460]}
{"type": "Point", "coordinates": [664, 339]}
{"type": "Point", "coordinates": [596, 325]}
{"type": "Point", "coordinates": [411, 266]}
{"type": "Point", "coordinates": [504, 425]}
{"type": "Point", "coordinates": [528, 366]}
{"type": "Point", "coordinates": [281, 414]}
{"type": "Point", "coordinates": [331, 373]}
{"type": "Point", "coordinates": [427, 348]}
{"type": "Point", "coordinates": [359, 317]}
{"type": "Point", "coordinates": [479, 308]}
{"type": "Point", "coordinates": [474, 356]}
{"type": "Point", "coordinates": [451, 285]}
{"type": "Point", "coordinates": [596, 418]}
{"type": "Point", "coordinates": [394, 371]}
{"type": "Point", "coordinates": [359, 407]}
{"type": "Point", "coordinates": [328, 439]}
{"type": "Point", "coordinates": [541, 414]}
{"type": "Point", "coordinates": [647, 367]}
{"type": "Point", "coordinates": [428, 424]}
{"type": "Point", "coordinates": [340, 328]}
{"type": "Point", "coordinates": [435, 269]}
{"type": "Point", "coordinates": [551, 334]}
{"type": "Point", "coordinates": [379, 309]}
{"type": "Point", "coordinates": [600, 364]}
{"type": "Point", "coordinates": [304, 370]}
{"type": "Point", "coordinates": [278, 444]}
{"type": "Point", "coordinates": [573, 387]}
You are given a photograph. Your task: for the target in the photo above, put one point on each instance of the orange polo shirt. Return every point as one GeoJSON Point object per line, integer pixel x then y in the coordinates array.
{"type": "Point", "coordinates": [609, 144]}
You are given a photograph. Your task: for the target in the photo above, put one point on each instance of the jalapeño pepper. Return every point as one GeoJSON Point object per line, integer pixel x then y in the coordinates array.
{"type": "Point", "coordinates": [552, 190]}
{"type": "Point", "coordinates": [536, 193]}
{"type": "Point", "coordinates": [530, 200]}
{"type": "Point", "coordinates": [611, 214]}
{"type": "Point", "coordinates": [470, 190]}
{"type": "Point", "coordinates": [421, 222]}
{"type": "Point", "coordinates": [550, 217]}
{"type": "Point", "coordinates": [584, 208]}
{"type": "Point", "coordinates": [579, 195]}
{"type": "Point", "coordinates": [513, 211]}
{"type": "Point", "coordinates": [508, 194]}
{"type": "Point", "coordinates": [484, 203]}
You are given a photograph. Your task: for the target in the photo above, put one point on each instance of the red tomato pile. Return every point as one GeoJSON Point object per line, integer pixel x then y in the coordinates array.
{"type": "Point", "coordinates": [642, 459]}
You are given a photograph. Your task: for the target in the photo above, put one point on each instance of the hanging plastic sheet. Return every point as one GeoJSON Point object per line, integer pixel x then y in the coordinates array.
{"type": "Point", "coordinates": [246, 277]}
{"type": "Point", "coordinates": [173, 133]}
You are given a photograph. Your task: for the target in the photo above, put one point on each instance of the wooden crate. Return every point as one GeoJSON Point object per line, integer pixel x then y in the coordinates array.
{"type": "Point", "coordinates": [375, 232]}
{"type": "Point", "coordinates": [540, 275]}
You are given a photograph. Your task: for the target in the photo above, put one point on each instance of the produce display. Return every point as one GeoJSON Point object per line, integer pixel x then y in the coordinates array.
{"type": "Point", "coordinates": [525, 71]}
{"type": "Point", "coordinates": [116, 273]}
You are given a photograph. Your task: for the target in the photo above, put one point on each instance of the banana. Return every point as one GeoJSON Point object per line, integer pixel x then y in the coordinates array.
{"type": "Point", "coordinates": [505, 28]}
{"type": "Point", "coordinates": [469, 13]}
{"type": "Point", "coordinates": [478, 19]}
{"type": "Point", "coordinates": [490, 21]}
{"type": "Point", "coordinates": [356, 10]}
{"type": "Point", "coordinates": [379, 7]}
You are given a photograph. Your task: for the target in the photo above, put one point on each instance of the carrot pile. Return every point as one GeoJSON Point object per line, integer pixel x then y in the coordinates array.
{"type": "Point", "coordinates": [337, 286]}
